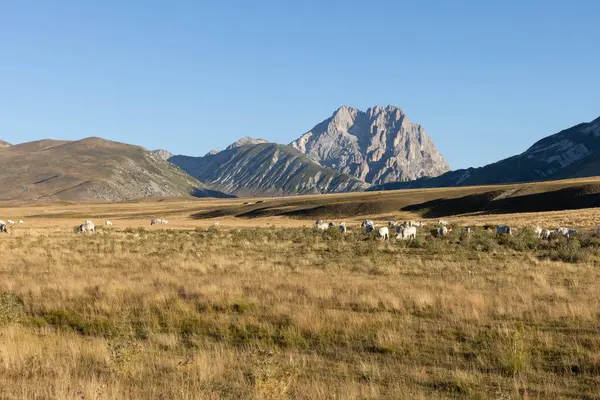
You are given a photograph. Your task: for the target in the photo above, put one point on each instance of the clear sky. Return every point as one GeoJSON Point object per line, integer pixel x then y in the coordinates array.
{"type": "Point", "coordinates": [485, 78]}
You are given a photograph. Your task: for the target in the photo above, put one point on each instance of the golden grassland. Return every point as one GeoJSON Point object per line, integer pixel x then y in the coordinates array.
{"type": "Point", "coordinates": [241, 312]}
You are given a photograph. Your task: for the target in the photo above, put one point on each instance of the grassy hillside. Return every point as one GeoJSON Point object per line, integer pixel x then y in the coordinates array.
{"type": "Point", "coordinates": [89, 169]}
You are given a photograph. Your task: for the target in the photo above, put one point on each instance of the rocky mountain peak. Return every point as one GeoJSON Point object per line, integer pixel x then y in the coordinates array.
{"type": "Point", "coordinates": [377, 146]}
{"type": "Point", "coordinates": [161, 154]}
{"type": "Point", "coordinates": [245, 141]}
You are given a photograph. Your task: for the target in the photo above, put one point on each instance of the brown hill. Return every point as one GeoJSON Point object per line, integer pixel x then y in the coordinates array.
{"type": "Point", "coordinates": [89, 169]}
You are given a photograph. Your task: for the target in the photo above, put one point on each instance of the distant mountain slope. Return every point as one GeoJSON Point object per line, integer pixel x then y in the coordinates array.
{"type": "Point", "coordinates": [4, 144]}
{"type": "Point", "coordinates": [572, 153]}
{"type": "Point", "coordinates": [376, 146]}
{"type": "Point", "coordinates": [265, 169]}
{"type": "Point", "coordinates": [88, 169]}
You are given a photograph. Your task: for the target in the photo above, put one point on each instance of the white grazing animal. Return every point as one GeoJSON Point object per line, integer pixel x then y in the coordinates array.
{"type": "Point", "coordinates": [409, 232]}
{"type": "Point", "coordinates": [538, 231]}
{"type": "Point", "coordinates": [503, 230]}
{"type": "Point", "coordinates": [86, 227]}
{"type": "Point", "coordinates": [343, 227]}
{"type": "Point", "coordinates": [107, 223]}
{"type": "Point", "coordinates": [332, 224]}
{"type": "Point", "coordinates": [20, 222]}
{"type": "Point", "coordinates": [392, 223]}
{"type": "Point", "coordinates": [384, 233]}
{"type": "Point", "coordinates": [468, 230]}
{"type": "Point", "coordinates": [442, 231]}
{"type": "Point", "coordinates": [566, 232]}
{"type": "Point", "coordinates": [10, 222]}
{"type": "Point", "coordinates": [323, 226]}
{"type": "Point", "coordinates": [368, 225]}
{"type": "Point", "coordinates": [546, 233]}
{"type": "Point", "coordinates": [442, 222]}
{"type": "Point", "coordinates": [156, 222]}
{"type": "Point", "coordinates": [3, 228]}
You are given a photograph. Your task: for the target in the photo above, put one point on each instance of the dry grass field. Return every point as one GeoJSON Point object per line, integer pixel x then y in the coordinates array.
{"type": "Point", "coordinates": [266, 308]}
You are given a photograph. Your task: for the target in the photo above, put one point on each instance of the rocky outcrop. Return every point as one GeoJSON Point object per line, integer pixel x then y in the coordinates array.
{"type": "Point", "coordinates": [162, 155]}
{"type": "Point", "coordinates": [4, 144]}
{"type": "Point", "coordinates": [376, 146]}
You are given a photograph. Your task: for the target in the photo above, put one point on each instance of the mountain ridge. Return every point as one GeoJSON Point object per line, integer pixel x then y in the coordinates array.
{"type": "Point", "coordinates": [265, 169]}
{"type": "Point", "coordinates": [572, 152]}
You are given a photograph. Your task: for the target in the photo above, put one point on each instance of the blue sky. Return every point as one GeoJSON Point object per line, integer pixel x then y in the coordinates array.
{"type": "Point", "coordinates": [485, 78]}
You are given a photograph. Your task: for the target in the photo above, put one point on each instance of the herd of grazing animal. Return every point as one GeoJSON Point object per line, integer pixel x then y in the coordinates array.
{"type": "Point", "coordinates": [408, 230]}
{"type": "Point", "coordinates": [404, 231]}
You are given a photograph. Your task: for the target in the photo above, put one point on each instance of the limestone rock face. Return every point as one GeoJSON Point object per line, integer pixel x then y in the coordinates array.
{"type": "Point", "coordinates": [377, 146]}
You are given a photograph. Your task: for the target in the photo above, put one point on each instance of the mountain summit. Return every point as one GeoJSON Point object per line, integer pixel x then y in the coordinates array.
{"type": "Point", "coordinates": [376, 146]}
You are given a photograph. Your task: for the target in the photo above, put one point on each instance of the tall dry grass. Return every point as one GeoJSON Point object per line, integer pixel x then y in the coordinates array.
{"type": "Point", "coordinates": [289, 313]}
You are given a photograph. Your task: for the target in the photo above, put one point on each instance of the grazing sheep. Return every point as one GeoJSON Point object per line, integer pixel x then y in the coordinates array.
{"type": "Point", "coordinates": [468, 230]}
{"type": "Point", "coordinates": [107, 223]}
{"type": "Point", "coordinates": [323, 226]}
{"type": "Point", "coordinates": [88, 226]}
{"type": "Point", "coordinates": [566, 232]}
{"type": "Point", "coordinates": [546, 233]}
{"type": "Point", "coordinates": [392, 223]}
{"type": "Point", "coordinates": [3, 228]}
{"type": "Point", "coordinates": [409, 232]}
{"type": "Point", "coordinates": [384, 233]}
{"type": "Point", "coordinates": [419, 224]}
{"type": "Point", "coordinates": [442, 222]}
{"type": "Point", "coordinates": [538, 231]}
{"type": "Point", "coordinates": [368, 225]}
{"type": "Point", "coordinates": [332, 224]}
{"type": "Point", "coordinates": [159, 222]}
{"type": "Point", "coordinates": [442, 231]}
{"type": "Point", "coordinates": [10, 222]}
{"type": "Point", "coordinates": [2, 222]}
{"type": "Point", "coordinates": [20, 222]}
{"type": "Point", "coordinates": [503, 230]}
{"type": "Point", "coordinates": [343, 227]}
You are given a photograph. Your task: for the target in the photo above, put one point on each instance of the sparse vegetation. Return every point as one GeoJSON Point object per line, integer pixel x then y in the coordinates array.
{"type": "Point", "coordinates": [293, 313]}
